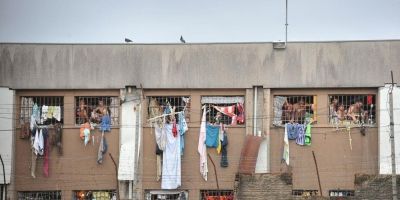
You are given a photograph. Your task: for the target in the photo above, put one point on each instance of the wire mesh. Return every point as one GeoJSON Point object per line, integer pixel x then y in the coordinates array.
{"type": "Point", "coordinates": [356, 109]}
{"type": "Point", "coordinates": [216, 195]}
{"type": "Point", "coordinates": [92, 108]}
{"type": "Point", "coordinates": [295, 108]}
{"type": "Point", "coordinates": [94, 194]}
{"type": "Point", "coordinates": [39, 195]}
{"type": "Point", "coordinates": [27, 103]}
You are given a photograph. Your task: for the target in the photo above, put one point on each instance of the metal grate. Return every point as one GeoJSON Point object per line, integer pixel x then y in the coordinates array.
{"type": "Point", "coordinates": [40, 195]}
{"type": "Point", "coordinates": [294, 108]}
{"type": "Point", "coordinates": [28, 102]}
{"type": "Point", "coordinates": [91, 109]}
{"type": "Point", "coordinates": [305, 193]}
{"type": "Point", "coordinates": [216, 195]}
{"type": "Point", "coordinates": [166, 195]}
{"type": "Point", "coordinates": [341, 193]}
{"type": "Point", "coordinates": [94, 194]}
{"type": "Point", "coordinates": [357, 109]}
{"type": "Point", "coordinates": [163, 104]}
{"type": "Point", "coordinates": [230, 105]}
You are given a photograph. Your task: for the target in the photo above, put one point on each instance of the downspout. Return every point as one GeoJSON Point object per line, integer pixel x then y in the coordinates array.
{"type": "Point", "coordinates": [255, 111]}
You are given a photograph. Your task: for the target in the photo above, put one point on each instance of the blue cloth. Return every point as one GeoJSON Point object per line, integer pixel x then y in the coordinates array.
{"type": "Point", "coordinates": [105, 123]}
{"type": "Point", "coordinates": [212, 135]}
{"type": "Point", "coordinates": [292, 131]}
{"type": "Point", "coordinates": [182, 129]}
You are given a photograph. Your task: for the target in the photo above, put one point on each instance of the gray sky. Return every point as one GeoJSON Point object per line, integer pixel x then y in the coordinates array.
{"type": "Point", "coordinates": [150, 21]}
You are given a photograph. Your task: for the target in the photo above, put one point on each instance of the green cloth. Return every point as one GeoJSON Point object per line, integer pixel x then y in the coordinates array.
{"type": "Point", "coordinates": [307, 139]}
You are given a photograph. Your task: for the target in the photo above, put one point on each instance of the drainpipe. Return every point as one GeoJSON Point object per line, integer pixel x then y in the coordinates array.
{"type": "Point", "coordinates": [255, 111]}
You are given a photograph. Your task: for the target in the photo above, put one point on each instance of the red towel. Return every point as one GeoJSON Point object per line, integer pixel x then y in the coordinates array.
{"type": "Point", "coordinates": [369, 99]}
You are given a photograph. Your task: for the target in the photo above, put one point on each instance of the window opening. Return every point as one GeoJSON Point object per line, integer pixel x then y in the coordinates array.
{"type": "Point", "coordinates": [166, 195]}
{"type": "Point", "coordinates": [352, 109]}
{"type": "Point", "coordinates": [50, 109]}
{"type": "Point", "coordinates": [216, 194]}
{"type": "Point", "coordinates": [294, 109]}
{"type": "Point", "coordinates": [94, 194]}
{"type": "Point", "coordinates": [40, 195]}
{"type": "Point", "coordinates": [224, 109]}
{"type": "Point", "coordinates": [159, 105]}
{"type": "Point", "coordinates": [341, 193]}
{"type": "Point", "coordinates": [93, 108]}
{"type": "Point", "coordinates": [305, 193]}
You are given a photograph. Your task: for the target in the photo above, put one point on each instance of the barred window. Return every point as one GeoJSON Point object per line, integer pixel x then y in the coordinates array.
{"type": "Point", "coordinates": [305, 193]}
{"type": "Point", "coordinates": [94, 194]}
{"type": "Point", "coordinates": [293, 108]}
{"type": "Point", "coordinates": [227, 110]}
{"type": "Point", "coordinates": [341, 193]}
{"type": "Point", "coordinates": [93, 108]}
{"type": "Point", "coordinates": [40, 195]}
{"type": "Point", "coordinates": [166, 195]}
{"type": "Point", "coordinates": [47, 110]}
{"type": "Point", "coordinates": [216, 194]}
{"type": "Point", "coordinates": [159, 105]}
{"type": "Point", "coordinates": [356, 109]}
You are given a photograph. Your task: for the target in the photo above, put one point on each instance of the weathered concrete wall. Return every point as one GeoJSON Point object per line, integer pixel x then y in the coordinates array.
{"type": "Point", "coordinates": [241, 65]}
{"type": "Point", "coordinates": [77, 168]}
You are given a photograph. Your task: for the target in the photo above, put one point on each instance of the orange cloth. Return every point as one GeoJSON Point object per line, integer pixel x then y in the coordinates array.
{"type": "Point", "coordinates": [83, 127]}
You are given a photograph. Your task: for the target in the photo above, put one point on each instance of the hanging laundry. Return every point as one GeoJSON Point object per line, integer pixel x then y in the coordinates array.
{"type": "Point", "coordinates": [279, 101]}
{"type": "Point", "coordinates": [102, 149]}
{"type": "Point", "coordinates": [307, 137]}
{"type": "Point", "coordinates": [212, 135]}
{"type": "Point", "coordinates": [46, 152]}
{"type": "Point", "coordinates": [174, 129]}
{"type": "Point", "coordinates": [183, 127]}
{"type": "Point", "coordinates": [155, 111]}
{"type": "Point", "coordinates": [58, 138]}
{"type": "Point", "coordinates": [160, 137]}
{"type": "Point", "coordinates": [240, 117]}
{"type": "Point", "coordinates": [105, 123]}
{"type": "Point", "coordinates": [44, 113]}
{"type": "Point", "coordinates": [220, 138]}
{"type": "Point", "coordinates": [369, 99]}
{"type": "Point", "coordinates": [86, 133]}
{"type": "Point", "coordinates": [50, 112]}
{"type": "Point", "coordinates": [36, 113]}
{"type": "Point", "coordinates": [85, 126]}
{"type": "Point", "coordinates": [224, 151]}
{"type": "Point", "coordinates": [226, 110]}
{"type": "Point", "coordinates": [171, 167]}
{"type": "Point", "coordinates": [285, 156]}
{"type": "Point", "coordinates": [57, 113]}
{"type": "Point", "coordinates": [301, 137]}
{"type": "Point", "coordinates": [159, 154]}
{"type": "Point", "coordinates": [202, 149]}
{"type": "Point", "coordinates": [291, 130]}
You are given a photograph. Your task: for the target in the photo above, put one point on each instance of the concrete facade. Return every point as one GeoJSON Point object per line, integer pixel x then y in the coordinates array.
{"type": "Point", "coordinates": [318, 69]}
{"type": "Point", "coordinates": [300, 65]}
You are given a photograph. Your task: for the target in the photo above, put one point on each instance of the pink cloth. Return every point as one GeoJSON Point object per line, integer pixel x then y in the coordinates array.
{"type": "Point", "coordinates": [202, 149]}
{"type": "Point", "coordinates": [226, 110]}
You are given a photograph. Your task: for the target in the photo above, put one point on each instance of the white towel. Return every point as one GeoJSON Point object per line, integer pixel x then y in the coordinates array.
{"type": "Point", "coordinates": [202, 149]}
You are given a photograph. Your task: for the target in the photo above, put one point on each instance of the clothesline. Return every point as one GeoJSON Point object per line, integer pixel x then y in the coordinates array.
{"type": "Point", "coordinates": [164, 115]}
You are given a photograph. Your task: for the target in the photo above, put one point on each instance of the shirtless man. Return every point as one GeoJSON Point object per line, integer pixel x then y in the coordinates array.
{"type": "Point", "coordinates": [82, 112]}
{"type": "Point", "coordinates": [99, 111]}
{"type": "Point", "coordinates": [341, 112]}
{"type": "Point", "coordinates": [287, 112]}
{"type": "Point", "coordinates": [355, 111]}
{"type": "Point", "coordinates": [299, 110]}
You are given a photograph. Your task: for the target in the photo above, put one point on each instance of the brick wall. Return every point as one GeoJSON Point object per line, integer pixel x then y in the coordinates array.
{"type": "Point", "coordinates": [374, 186]}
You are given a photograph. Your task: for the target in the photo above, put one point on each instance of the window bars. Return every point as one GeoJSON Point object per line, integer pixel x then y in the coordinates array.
{"type": "Point", "coordinates": [353, 109]}
{"type": "Point", "coordinates": [92, 108]}
{"type": "Point", "coordinates": [166, 195]}
{"type": "Point", "coordinates": [216, 194]}
{"type": "Point", "coordinates": [291, 108]}
{"type": "Point", "coordinates": [94, 194]}
{"type": "Point", "coordinates": [40, 195]}
{"type": "Point", "coordinates": [305, 193]}
{"type": "Point", "coordinates": [224, 109]}
{"type": "Point", "coordinates": [158, 105]}
{"type": "Point", "coordinates": [341, 193]}
{"type": "Point", "coordinates": [53, 103]}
